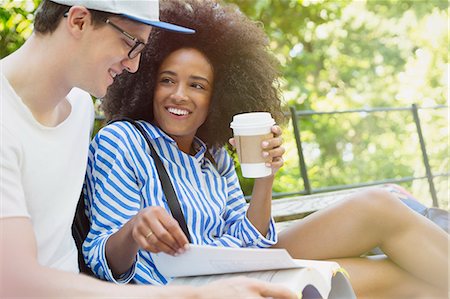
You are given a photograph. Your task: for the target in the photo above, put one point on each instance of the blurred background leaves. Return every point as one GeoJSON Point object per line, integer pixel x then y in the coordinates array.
{"type": "Point", "coordinates": [337, 55]}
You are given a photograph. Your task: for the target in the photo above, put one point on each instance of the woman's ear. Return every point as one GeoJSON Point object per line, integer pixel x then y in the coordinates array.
{"type": "Point", "coordinates": [78, 18]}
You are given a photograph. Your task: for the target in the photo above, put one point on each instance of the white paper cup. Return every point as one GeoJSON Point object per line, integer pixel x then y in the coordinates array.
{"type": "Point", "coordinates": [249, 130]}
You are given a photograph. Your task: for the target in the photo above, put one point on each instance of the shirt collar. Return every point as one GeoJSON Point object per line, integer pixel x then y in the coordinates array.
{"type": "Point", "coordinates": [155, 132]}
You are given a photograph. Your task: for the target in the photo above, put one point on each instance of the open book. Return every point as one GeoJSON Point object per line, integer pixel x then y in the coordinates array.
{"type": "Point", "coordinates": [307, 278]}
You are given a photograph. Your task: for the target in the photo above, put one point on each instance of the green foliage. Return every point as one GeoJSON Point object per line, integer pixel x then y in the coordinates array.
{"type": "Point", "coordinates": [16, 19]}
{"type": "Point", "coordinates": [338, 55]}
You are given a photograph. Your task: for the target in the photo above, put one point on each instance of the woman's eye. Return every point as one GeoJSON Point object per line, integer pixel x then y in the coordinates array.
{"type": "Point", "coordinates": [166, 80]}
{"type": "Point", "coordinates": [197, 86]}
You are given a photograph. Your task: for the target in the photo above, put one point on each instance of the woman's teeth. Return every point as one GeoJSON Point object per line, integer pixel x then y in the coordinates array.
{"type": "Point", "coordinates": [177, 111]}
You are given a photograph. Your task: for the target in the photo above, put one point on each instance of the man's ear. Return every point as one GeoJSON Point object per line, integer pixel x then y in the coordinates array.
{"type": "Point", "coordinates": [78, 18]}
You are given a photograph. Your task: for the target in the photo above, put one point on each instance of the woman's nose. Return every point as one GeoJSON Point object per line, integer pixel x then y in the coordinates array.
{"type": "Point", "coordinates": [179, 94]}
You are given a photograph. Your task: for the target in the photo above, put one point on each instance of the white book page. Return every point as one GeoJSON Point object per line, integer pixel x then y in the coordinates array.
{"type": "Point", "coordinates": [294, 279]}
{"type": "Point", "coordinates": [325, 268]}
{"type": "Point", "coordinates": [207, 260]}
{"type": "Point", "coordinates": [199, 264]}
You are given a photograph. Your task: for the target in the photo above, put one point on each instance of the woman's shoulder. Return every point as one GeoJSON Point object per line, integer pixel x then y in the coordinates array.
{"type": "Point", "coordinates": [120, 132]}
{"type": "Point", "coordinates": [129, 132]}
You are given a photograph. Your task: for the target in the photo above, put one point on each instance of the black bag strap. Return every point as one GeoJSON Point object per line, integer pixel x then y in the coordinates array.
{"type": "Point", "coordinates": [80, 230]}
{"type": "Point", "coordinates": [169, 192]}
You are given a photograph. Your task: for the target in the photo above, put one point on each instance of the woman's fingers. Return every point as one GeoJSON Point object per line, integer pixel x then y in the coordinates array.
{"type": "Point", "coordinates": [232, 141]}
{"type": "Point", "coordinates": [158, 231]}
{"type": "Point", "coordinates": [276, 163]}
{"type": "Point", "coordinates": [168, 234]}
{"type": "Point", "coordinates": [273, 150]}
{"type": "Point", "coordinates": [274, 142]}
{"type": "Point", "coordinates": [276, 130]}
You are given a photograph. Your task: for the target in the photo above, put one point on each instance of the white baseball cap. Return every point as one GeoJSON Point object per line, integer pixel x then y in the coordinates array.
{"type": "Point", "coordinates": [144, 11]}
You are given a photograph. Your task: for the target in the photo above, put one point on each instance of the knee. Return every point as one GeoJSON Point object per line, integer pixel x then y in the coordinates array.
{"type": "Point", "coordinates": [376, 204]}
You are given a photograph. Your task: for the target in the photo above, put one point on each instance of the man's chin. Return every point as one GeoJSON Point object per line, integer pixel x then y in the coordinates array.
{"type": "Point", "coordinates": [99, 94]}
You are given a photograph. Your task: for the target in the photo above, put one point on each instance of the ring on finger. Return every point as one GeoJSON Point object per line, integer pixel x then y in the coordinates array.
{"type": "Point", "coordinates": [149, 234]}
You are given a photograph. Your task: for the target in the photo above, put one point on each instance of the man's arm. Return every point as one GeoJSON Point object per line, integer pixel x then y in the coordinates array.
{"type": "Point", "coordinates": [22, 276]}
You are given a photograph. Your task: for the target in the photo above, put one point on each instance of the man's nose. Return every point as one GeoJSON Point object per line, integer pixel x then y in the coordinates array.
{"type": "Point", "coordinates": [132, 65]}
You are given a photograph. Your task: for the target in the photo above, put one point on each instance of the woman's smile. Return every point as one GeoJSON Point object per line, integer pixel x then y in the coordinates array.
{"type": "Point", "coordinates": [183, 95]}
{"type": "Point", "coordinates": [178, 111]}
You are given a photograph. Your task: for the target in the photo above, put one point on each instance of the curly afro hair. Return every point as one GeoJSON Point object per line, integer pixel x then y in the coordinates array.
{"type": "Point", "coordinates": [245, 72]}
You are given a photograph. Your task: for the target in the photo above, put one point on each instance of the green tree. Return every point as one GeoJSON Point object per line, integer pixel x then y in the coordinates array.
{"type": "Point", "coordinates": [16, 18]}
{"type": "Point", "coordinates": [353, 54]}
{"type": "Point", "coordinates": [335, 55]}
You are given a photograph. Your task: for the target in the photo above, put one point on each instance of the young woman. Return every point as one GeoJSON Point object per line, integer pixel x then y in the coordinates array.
{"type": "Point", "coordinates": [185, 94]}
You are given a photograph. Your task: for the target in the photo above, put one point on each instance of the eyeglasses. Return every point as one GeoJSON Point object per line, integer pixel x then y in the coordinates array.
{"type": "Point", "coordinates": [136, 48]}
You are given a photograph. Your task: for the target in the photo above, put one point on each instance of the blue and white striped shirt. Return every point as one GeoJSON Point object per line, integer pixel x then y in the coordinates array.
{"type": "Point", "coordinates": [122, 179]}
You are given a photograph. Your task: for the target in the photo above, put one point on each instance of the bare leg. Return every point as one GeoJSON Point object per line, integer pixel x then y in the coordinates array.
{"type": "Point", "coordinates": [366, 220]}
{"type": "Point", "coordinates": [378, 277]}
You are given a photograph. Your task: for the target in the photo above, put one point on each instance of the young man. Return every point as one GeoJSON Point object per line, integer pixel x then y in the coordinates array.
{"type": "Point", "coordinates": [45, 129]}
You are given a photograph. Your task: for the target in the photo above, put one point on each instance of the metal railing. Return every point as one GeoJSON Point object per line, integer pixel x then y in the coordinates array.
{"type": "Point", "coordinates": [297, 114]}
{"type": "Point", "coordinates": [429, 175]}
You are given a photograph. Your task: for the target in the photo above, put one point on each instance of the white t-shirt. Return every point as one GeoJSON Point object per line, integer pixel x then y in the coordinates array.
{"type": "Point", "coordinates": [42, 171]}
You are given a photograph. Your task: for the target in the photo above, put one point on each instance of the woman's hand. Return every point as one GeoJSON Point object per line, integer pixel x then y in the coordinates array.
{"type": "Point", "coordinates": [155, 230]}
{"type": "Point", "coordinates": [272, 149]}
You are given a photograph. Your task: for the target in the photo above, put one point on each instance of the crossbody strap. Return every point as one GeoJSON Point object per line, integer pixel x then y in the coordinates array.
{"type": "Point", "coordinates": [169, 192]}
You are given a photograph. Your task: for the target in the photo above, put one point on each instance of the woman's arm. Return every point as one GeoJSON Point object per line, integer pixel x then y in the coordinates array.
{"type": "Point", "coordinates": [249, 226]}
{"type": "Point", "coordinates": [119, 225]}
{"type": "Point", "coordinates": [259, 210]}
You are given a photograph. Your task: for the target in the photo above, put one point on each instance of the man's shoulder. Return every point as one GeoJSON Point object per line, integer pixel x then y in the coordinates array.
{"type": "Point", "coordinates": [10, 111]}
{"type": "Point", "coordinates": [82, 104]}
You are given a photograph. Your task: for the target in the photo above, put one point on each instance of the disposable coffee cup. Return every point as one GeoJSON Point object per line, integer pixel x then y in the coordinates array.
{"type": "Point", "coordinates": [249, 130]}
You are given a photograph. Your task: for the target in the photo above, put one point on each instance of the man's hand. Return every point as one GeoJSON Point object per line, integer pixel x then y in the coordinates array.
{"type": "Point", "coordinates": [244, 287]}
